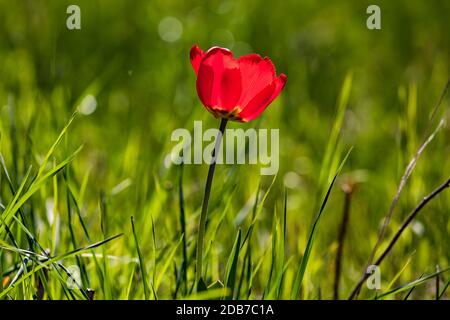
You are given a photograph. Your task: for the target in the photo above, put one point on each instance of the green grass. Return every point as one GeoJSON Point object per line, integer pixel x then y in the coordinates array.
{"type": "Point", "coordinates": [95, 193]}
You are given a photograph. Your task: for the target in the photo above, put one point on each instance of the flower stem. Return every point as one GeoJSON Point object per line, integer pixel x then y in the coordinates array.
{"type": "Point", "coordinates": [203, 215]}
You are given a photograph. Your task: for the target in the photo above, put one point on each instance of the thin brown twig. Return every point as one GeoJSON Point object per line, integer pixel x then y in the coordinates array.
{"type": "Point", "coordinates": [341, 238]}
{"type": "Point", "coordinates": [438, 104]}
{"type": "Point", "coordinates": [404, 179]}
{"type": "Point", "coordinates": [399, 232]}
{"type": "Point", "coordinates": [437, 281]}
{"type": "Point", "coordinates": [406, 175]}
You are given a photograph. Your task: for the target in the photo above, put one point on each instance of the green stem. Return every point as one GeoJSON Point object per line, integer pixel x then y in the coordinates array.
{"type": "Point", "coordinates": [203, 215]}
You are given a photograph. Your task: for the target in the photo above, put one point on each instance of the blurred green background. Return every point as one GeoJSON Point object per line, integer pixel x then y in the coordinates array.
{"type": "Point", "coordinates": [128, 73]}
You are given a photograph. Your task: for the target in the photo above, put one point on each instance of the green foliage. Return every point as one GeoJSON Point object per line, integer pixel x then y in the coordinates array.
{"type": "Point", "coordinates": [118, 89]}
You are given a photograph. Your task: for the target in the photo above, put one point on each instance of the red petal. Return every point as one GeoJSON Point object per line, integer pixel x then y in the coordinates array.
{"type": "Point", "coordinates": [196, 55]}
{"type": "Point", "coordinates": [279, 85]}
{"type": "Point", "coordinates": [257, 105]}
{"type": "Point", "coordinates": [262, 100]}
{"type": "Point", "coordinates": [205, 81]}
{"type": "Point", "coordinates": [231, 88]}
{"type": "Point", "coordinates": [257, 73]}
{"type": "Point", "coordinates": [219, 79]}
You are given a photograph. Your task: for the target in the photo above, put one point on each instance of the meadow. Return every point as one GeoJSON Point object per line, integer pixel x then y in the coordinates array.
{"type": "Point", "coordinates": [92, 208]}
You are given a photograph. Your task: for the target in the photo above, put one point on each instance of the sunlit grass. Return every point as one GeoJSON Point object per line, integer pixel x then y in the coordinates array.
{"type": "Point", "coordinates": [94, 192]}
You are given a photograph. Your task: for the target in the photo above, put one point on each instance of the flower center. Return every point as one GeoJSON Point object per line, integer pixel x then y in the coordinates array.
{"type": "Point", "coordinates": [230, 115]}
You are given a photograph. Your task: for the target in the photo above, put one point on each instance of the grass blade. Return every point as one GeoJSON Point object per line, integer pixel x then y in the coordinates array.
{"type": "Point", "coordinates": [304, 263]}
{"type": "Point", "coordinates": [167, 263]}
{"type": "Point", "coordinates": [141, 263]}
{"type": "Point", "coordinates": [52, 149]}
{"type": "Point", "coordinates": [54, 260]}
{"type": "Point", "coordinates": [230, 278]}
{"type": "Point", "coordinates": [412, 284]}
{"type": "Point", "coordinates": [330, 152]}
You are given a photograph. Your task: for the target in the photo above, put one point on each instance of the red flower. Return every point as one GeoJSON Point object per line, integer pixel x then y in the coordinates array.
{"type": "Point", "coordinates": [236, 89]}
